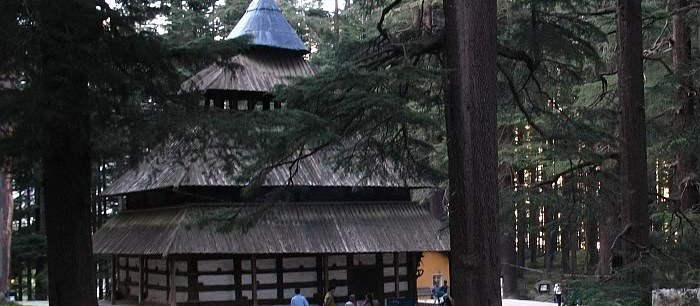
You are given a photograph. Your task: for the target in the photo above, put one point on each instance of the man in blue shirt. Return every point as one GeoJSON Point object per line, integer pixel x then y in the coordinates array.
{"type": "Point", "coordinates": [298, 299]}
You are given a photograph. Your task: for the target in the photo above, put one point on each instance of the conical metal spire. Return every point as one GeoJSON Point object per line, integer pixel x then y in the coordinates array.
{"type": "Point", "coordinates": [264, 21]}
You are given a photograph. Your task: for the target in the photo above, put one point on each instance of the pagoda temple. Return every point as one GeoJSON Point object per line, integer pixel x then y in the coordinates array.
{"type": "Point", "coordinates": [335, 227]}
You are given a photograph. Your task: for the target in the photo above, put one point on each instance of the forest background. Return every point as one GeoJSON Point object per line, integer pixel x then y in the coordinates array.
{"type": "Point", "coordinates": [559, 139]}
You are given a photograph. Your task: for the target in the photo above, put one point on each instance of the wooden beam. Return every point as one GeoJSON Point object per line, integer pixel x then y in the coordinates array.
{"type": "Point", "coordinates": [280, 273]}
{"type": "Point", "coordinates": [379, 264]}
{"type": "Point", "coordinates": [319, 279]}
{"type": "Point", "coordinates": [172, 283]}
{"type": "Point", "coordinates": [411, 271]}
{"type": "Point", "coordinates": [192, 279]}
{"type": "Point", "coordinates": [397, 278]}
{"type": "Point", "coordinates": [237, 277]}
{"type": "Point", "coordinates": [254, 278]}
{"type": "Point", "coordinates": [326, 284]}
{"type": "Point", "coordinates": [115, 279]}
{"type": "Point", "coordinates": [142, 278]}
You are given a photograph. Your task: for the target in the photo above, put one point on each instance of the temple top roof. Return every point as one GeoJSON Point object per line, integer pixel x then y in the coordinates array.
{"type": "Point", "coordinates": [264, 21]}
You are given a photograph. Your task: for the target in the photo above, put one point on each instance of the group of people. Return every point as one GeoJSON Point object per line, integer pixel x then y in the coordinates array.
{"type": "Point", "coordinates": [440, 291]}
{"type": "Point", "coordinates": [441, 294]}
{"type": "Point", "coordinates": [329, 300]}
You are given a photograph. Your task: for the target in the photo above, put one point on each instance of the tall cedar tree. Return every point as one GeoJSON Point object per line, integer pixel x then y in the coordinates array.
{"type": "Point", "coordinates": [69, 30]}
{"type": "Point", "coordinates": [472, 151]}
{"type": "Point", "coordinates": [633, 163]}
{"type": "Point", "coordinates": [6, 209]}
{"type": "Point", "coordinates": [685, 177]}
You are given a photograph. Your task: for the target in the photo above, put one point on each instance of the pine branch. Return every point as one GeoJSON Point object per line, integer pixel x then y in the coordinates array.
{"type": "Point", "coordinates": [521, 56]}
{"type": "Point", "coordinates": [602, 12]}
{"type": "Point", "coordinates": [573, 169]}
{"type": "Point", "coordinates": [517, 100]}
{"type": "Point", "coordinates": [685, 9]}
{"type": "Point", "coordinates": [385, 11]}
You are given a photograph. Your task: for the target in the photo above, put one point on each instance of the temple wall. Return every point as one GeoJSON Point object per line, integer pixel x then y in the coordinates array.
{"type": "Point", "coordinates": [226, 279]}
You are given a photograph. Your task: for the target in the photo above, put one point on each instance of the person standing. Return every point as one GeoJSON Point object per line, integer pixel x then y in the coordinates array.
{"type": "Point", "coordinates": [437, 294]}
{"type": "Point", "coordinates": [369, 300]}
{"type": "Point", "coordinates": [445, 288]}
{"type": "Point", "coordinates": [329, 300]}
{"type": "Point", "coordinates": [298, 299]}
{"type": "Point", "coordinates": [352, 301]}
{"type": "Point", "coordinates": [557, 294]}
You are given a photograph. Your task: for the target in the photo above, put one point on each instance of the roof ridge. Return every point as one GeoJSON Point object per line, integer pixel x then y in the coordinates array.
{"type": "Point", "coordinates": [174, 233]}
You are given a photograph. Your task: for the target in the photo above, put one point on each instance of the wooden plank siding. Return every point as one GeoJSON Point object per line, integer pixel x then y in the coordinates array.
{"type": "Point", "coordinates": [212, 280]}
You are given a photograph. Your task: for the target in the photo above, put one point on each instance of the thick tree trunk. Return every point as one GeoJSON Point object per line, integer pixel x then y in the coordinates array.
{"type": "Point", "coordinates": [508, 222]}
{"type": "Point", "coordinates": [574, 248]}
{"type": "Point", "coordinates": [40, 292]}
{"type": "Point", "coordinates": [6, 209]}
{"type": "Point", "coordinates": [633, 162]}
{"type": "Point", "coordinates": [534, 227]}
{"type": "Point", "coordinates": [550, 236]}
{"type": "Point", "coordinates": [69, 29]}
{"type": "Point", "coordinates": [336, 22]}
{"type": "Point", "coordinates": [427, 19]}
{"type": "Point", "coordinates": [67, 193]}
{"type": "Point", "coordinates": [20, 283]}
{"type": "Point", "coordinates": [685, 178]}
{"type": "Point", "coordinates": [508, 271]}
{"type": "Point", "coordinates": [609, 228]}
{"type": "Point", "coordinates": [472, 151]}
{"type": "Point", "coordinates": [566, 228]}
{"type": "Point", "coordinates": [522, 225]}
{"type": "Point", "coordinates": [29, 281]}
{"type": "Point", "coordinates": [534, 230]}
{"type": "Point", "coordinates": [565, 246]}
{"type": "Point", "coordinates": [591, 228]}
{"type": "Point", "coordinates": [39, 286]}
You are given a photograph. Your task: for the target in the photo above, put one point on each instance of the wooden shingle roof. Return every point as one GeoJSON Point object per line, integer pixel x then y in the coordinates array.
{"type": "Point", "coordinates": [179, 164]}
{"type": "Point", "coordinates": [283, 228]}
{"type": "Point", "coordinates": [256, 71]}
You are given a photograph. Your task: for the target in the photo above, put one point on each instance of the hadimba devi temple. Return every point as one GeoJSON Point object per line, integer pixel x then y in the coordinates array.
{"type": "Point", "coordinates": [338, 228]}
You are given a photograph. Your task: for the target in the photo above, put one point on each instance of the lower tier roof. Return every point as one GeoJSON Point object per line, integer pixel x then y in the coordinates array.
{"type": "Point", "coordinates": [282, 228]}
{"type": "Point", "coordinates": [181, 163]}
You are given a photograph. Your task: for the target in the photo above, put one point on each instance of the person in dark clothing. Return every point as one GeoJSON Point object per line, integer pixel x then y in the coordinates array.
{"type": "Point", "coordinates": [445, 288]}
{"type": "Point", "coordinates": [369, 300]}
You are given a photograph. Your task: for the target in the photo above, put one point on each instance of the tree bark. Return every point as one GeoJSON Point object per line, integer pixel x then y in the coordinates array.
{"type": "Point", "coordinates": [472, 151]}
{"type": "Point", "coordinates": [508, 271]}
{"type": "Point", "coordinates": [567, 185]}
{"type": "Point", "coordinates": [534, 227]}
{"type": "Point", "coordinates": [336, 22]}
{"type": "Point", "coordinates": [591, 228]}
{"type": "Point", "coordinates": [685, 177]}
{"type": "Point", "coordinates": [427, 19]}
{"type": "Point", "coordinates": [550, 236]}
{"type": "Point", "coordinates": [69, 31]}
{"type": "Point", "coordinates": [6, 209]}
{"type": "Point", "coordinates": [508, 220]}
{"type": "Point", "coordinates": [29, 280]}
{"type": "Point", "coordinates": [522, 225]}
{"type": "Point", "coordinates": [633, 162]}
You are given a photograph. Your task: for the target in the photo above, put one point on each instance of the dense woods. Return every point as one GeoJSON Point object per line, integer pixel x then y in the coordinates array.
{"type": "Point", "coordinates": [566, 131]}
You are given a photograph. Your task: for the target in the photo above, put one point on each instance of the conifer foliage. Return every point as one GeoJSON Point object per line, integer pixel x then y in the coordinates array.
{"type": "Point", "coordinates": [590, 107]}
